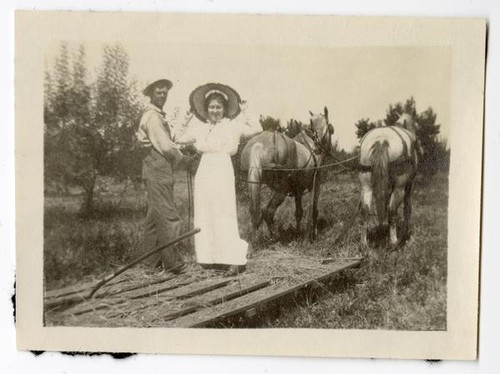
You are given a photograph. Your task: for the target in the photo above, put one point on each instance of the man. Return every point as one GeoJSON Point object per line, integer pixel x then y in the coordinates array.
{"type": "Point", "coordinates": [162, 221]}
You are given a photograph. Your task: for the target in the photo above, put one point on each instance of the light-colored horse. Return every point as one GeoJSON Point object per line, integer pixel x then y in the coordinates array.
{"type": "Point", "coordinates": [288, 167]}
{"type": "Point", "coordinates": [388, 165]}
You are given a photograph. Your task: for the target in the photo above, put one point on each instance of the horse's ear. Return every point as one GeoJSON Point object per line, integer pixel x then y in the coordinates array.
{"type": "Point", "coordinates": [326, 112]}
{"type": "Point", "coordinates": [331, 130]}
{"type": "Point", "coordinates": [311, 113]}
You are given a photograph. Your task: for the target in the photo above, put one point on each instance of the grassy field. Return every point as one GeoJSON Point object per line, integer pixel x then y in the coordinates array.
{"type": "Point", "coordinates": [401, 289]}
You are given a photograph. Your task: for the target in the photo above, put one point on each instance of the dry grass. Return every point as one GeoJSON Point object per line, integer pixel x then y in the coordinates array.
{"type": "Point", "coordinates": [402, 289]}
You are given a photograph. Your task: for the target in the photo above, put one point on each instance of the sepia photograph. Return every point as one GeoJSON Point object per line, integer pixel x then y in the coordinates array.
{"type": "Point", "coordinates": [272, 182]}
{"type": "Point", "coordinates": [289, 202]}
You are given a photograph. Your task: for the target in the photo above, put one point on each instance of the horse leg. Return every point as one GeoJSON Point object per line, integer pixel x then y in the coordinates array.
{"type": "Point", "coordinates": [366, 203]}
{"type": "Point", "coordinates": [407, 209]}
{"type": "Point", "coordinates": [277, 199]}
{"type": "Point", "coordinates": [314, 225]}
{"type": "Point", "coordinates": [394, 203]}
{"type": "Point", "coordinates": [299, 212]}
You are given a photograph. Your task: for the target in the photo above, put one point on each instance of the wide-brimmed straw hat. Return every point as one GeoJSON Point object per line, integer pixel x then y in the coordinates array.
{"type": "Point", "coordinates": [200, 94]}
{"type": "Point", "coordinates": [148, 91]}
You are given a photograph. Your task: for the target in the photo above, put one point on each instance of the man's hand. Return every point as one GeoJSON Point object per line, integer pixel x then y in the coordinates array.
{"type": "Point", "coordinates": [190, 163]}
{"type": "Point", "coordinates": [188, 149]}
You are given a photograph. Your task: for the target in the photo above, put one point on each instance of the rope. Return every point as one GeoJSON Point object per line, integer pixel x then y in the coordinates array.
{"type": "Point", "coordinates": [308, 169]}
{"type": "Point", "coordinates": [315, 169]}
{"type": "Point", "coordinates": [339, 163]}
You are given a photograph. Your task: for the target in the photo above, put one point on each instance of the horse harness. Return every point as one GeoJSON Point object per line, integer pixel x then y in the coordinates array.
{"type": "Point", "coordinates": [290, 170]}
{"type": "Point", "coordinates": [276, 163]}
{"type": "Point", "coordinates": [408, 154]}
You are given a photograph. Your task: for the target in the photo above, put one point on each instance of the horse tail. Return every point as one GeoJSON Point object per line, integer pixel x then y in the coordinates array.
{"type": "Point", "coordinates": [380, 178]}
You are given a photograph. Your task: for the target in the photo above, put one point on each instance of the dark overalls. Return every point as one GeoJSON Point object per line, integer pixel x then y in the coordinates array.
{"type": "Point", "coordinates": [162, 223]}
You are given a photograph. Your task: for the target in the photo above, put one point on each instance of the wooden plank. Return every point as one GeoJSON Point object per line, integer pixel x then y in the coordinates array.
{"type": "Point", "coordinates": [256, 299]}
{"type": "Point", "coordinates": [329, 260]}
{"type": "Point", "coordinates": [108, 290]}
{"type": "Point", "coordinates": [137, 304]}
{"type": "Point", "coordinates": [174, 298]}
{"type": "Point", "coordinates": [94, 305]}
{"type": "Point", "coordinates": [146, 313]}
{"type": "Point", "coordinates": [218, 296]}
{"type": "Point", "coordinates": [77, 289]}
{"type": "Point", "coordinates": [118, 289]}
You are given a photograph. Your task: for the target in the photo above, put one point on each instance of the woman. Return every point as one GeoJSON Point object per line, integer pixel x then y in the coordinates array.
{"type": "Point", "coordinates": [217, 138]}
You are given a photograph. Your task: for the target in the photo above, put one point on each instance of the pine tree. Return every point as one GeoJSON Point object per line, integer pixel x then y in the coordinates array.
{"type": "Point", "coordinates": [269, 123]}
{"type": "Point", "coordinates": [363, 126]}
{"type": "Point", "coordinates": [435, 155]}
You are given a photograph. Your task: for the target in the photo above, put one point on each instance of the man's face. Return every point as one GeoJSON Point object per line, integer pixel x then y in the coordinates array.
{"type": "Point", "coordinates": [159, 96]}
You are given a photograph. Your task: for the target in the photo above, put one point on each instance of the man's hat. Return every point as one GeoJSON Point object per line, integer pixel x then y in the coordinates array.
{"type": "Point", "coordinates": [148, 91]}
{"type": "Point", "coordinates": [200, 94]}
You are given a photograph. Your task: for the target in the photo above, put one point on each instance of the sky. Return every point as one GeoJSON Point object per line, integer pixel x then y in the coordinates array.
{"type": "Point", "coordinates": [289, 81]}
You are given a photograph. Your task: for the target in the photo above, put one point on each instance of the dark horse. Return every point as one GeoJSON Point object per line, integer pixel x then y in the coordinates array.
{"type": "Point", "coordinates": [388, 165]}
{"type": "Point", "coordinates": [288, 167]}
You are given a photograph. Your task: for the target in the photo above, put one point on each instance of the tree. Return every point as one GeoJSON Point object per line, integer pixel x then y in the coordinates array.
{"type": "Point", "coordinates": [61, 104]}
{"type": "Point", "coordinates": [435, 155]}
{"type": "Point", "coordinates": [117, 112]}
{"type": "Point", "coordinates": [71, 144]}
{"type": "Point", "coordinates": [395, 111]}
{"type": "Point", "coordinates": [293, 128]}
{"type": "Point", "coordinates": [79, 98]}
{"type": "Point", "coordinates": [269, 123]}
{"type": "Point", "coordinates": [363, 126]}
{"type": "Point", "coordinates": [89, 129]}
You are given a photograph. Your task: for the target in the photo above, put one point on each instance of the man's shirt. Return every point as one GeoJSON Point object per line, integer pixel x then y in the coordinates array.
{"type": "Point", "coordinates": [154, 131]}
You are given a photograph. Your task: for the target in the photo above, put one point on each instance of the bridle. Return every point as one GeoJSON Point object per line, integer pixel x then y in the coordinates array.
{"type": "Point", "coordinates": [319, 142]}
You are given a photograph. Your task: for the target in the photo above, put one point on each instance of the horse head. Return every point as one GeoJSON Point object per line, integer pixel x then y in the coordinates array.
{"type": "Point", "coordinates": [321, 131]}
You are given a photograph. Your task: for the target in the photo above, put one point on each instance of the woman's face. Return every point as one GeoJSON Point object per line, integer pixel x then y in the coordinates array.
{"type": "Point", "coordinates": [215, 110]}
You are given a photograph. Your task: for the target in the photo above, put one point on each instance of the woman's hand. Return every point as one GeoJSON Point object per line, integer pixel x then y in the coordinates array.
{"type": "Point", "coordinates": [189, 115]}
{"type": "Point", "coordinates": [188, 149]}
{"type": "Point", "coordinates": [243, 106]}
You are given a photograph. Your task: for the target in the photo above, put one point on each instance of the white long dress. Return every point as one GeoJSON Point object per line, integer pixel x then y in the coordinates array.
{"type": "Point", "coordinates": [219, 241]}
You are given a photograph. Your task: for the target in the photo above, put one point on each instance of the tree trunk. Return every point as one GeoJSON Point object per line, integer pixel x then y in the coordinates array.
{"type": "Point", "coordinates": [88, 198]}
